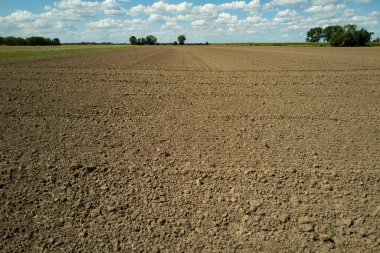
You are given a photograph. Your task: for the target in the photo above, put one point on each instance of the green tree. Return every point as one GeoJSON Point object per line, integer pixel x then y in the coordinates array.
{"type": "Point", "coordinates": [141, 41]}
{"type": "Point", "coordinates": [31, 41]}
{"type": "Point", "coordinates": [329, 31]}
{"type": "Point", "coordinates": [349, 36]}
{"type": "Point", "coordinates": [314, 34]}
{"type": "Point", "coordinates": [376, 40]}
{"type": "Point", "coordinates": [175, 43]}
{"type": "Point", "coordinates": [150, 40]}
{"type": "Point", "coordinates": [56, 42]}
{"type": "Point", "coordinates": [338, 38]}
{"type": "Point", "coordinates": [181, 39]}
{"type": "Point", "coordinates": [10, 41]}
{"type": "Point", "coordinates": [363, 37]}
{"type": "Point", "coordinates": [133, 40]}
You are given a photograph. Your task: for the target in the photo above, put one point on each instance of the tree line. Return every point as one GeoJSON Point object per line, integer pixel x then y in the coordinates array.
{"type": "Point", "coordinates": [152, 40]}
{"type": "Point", "coordinates": [31, 41]}
{"type": "Point", "coordinates": [148, 40]}
{"type": "Point", "coordinates": [340, 36]}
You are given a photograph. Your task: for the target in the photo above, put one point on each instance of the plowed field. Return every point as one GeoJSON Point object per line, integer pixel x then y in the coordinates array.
{"type": "Point", "coordinates": [192, 149]}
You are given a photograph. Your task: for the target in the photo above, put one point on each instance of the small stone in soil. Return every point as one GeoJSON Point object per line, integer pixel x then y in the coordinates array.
{"type": "Point", "coordinates": [161, 221]}
{"type": "Point", "coordinates": [306, 227]}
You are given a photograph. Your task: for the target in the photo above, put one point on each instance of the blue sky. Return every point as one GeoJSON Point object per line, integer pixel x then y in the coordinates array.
{"type": "Point", "coordinates": [200, 20]}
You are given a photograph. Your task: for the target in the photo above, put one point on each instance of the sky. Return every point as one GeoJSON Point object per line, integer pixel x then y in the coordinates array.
{"type": "Point", "coordinates": [200, 20]}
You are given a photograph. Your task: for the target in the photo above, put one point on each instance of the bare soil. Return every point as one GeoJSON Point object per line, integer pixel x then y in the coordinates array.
{"type": "Point", "coordinates": [192, 149]}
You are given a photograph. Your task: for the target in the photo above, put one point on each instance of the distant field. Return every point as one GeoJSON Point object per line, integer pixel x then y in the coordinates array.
{"type": "Point", "coordinates": [27, 53]}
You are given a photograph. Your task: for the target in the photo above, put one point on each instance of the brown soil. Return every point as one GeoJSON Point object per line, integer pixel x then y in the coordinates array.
{"type": "Point", "coordinates": [192, 149]}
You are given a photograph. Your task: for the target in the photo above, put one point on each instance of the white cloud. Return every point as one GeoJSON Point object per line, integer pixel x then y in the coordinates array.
{"type": "Point", "coordinates": [362, 1]}
{"type": "Point", "coordinates": [275, 3]}
{"type": "Point", "coordinates": [186, 7]}
{"type": "Point", "coordinates": [226, 18]}
{"type": "Point", "coordinates": [161, 7]}
{"type": "Point", "coordinates": [104, 23]}
{"type": "Point", "coordinates": [207, 8]}
{"type": "Point", "coordinates": [328, 9]}
{"type": "Point", "coordinates": [374, 14]}
{"type": "Point", "coordinates": [287, 17]}
{"type": "Point", "coordinates": [19, 16]}
{"type": "Point", "coordinates": [200, 22]}
{"type": "Point", "coordinates": [254, 19]}
{"type": "Point", "coordinates": [240, 5]}
{"type": "Point", "coordinates": [171, 26]}
{"type": "Point", "coordinates": [348, 13]}
{"type": "Point", "coordinates": [115, 23]}
{"type": "Point", "coordinates": [156, 18]}
{"type": "Point", "coordinates": [288, 2]}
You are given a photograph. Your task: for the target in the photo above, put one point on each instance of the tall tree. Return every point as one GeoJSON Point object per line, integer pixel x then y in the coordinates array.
{"type": "Point", "coordinates": [181, 39]}
{"type": "Point", "coordinates": [133, 40]}
{"type": "Point", "coordinates": [150, 40]}
{"type": "Point", "coordinates": [314, 34]}
{"type": "Point", "coordinates": [329, 31]}
{"type": "Point", "coordinates": [346, 36]}
{"type": "Point", "coordinates": [56, 42]}
{"type": "Point", "coordinates": [363, 37]}
{"type": "Point", "coordinates": [338, 39]}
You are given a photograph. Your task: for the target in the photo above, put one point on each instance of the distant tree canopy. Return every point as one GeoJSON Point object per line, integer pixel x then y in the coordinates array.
{"type": "Point", "coordinates": [338, 36]}
{"type": "Point", "coordinates": [329, 31]}
{"type": "Point", "coordinates": [133, 40]}
{"type": "Point", "coordinates": [31, 41]}
{"type": "Point", "coordinates": [314, 34]}
{"type": "Point", "coordinates": [148, 40]}
{"type": "Point", "coordinates": [377, 39]}
{"type": "Point", "coordinates": [181, 39]}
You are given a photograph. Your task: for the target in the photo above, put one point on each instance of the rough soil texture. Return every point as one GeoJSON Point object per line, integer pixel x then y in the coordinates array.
{"type": "Point", "coordinates": [192, 149]}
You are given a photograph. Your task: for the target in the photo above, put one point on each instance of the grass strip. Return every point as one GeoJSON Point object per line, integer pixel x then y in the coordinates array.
{"type": "Point", "coordinates": [29, 53]}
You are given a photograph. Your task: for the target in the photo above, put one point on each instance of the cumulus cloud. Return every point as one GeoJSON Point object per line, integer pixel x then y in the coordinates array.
{"type": "Point", "coordinates": [362, 1]}
{"type": "Point", "coordinates": [198, 23]}
{"type": "Point", "coordinates": [286, 16]}
{"type": "Point", "coordinates": [328, 9]}
{"type": "Point", "coordinates": [115, 23]}
{"type": "Point", "coordinates": [226, 18]}
{"type": "Point", "coordinates": [157, 18]}
{"type": "Point", "coordinates": [276, 3]}
{"type": "Point", "coordinates": [161, 7]}
{"type": "Point", "coordinates": [288, 2]}
{"type": "Point", "coordinates": [240, 5]}
{"type": "Point", "coordinates": [19, 16]}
